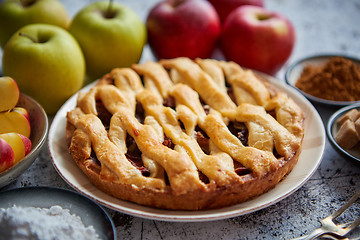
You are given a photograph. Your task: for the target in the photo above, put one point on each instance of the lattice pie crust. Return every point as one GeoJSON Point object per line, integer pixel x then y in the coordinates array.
{"type": "Point", "coordinates": [186, 135]}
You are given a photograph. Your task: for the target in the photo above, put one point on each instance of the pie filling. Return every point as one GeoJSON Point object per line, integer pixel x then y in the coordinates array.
{"type": "Point", "coordinates": [239, 130]}
{"type": "Point", "coordinates": [133, 154]}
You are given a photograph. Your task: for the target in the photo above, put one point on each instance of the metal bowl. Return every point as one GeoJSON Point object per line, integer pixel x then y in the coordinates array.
{"type": "Point", "coordinates": [294, 71]}
{"type": "Point", "coordinates": [39, 129]}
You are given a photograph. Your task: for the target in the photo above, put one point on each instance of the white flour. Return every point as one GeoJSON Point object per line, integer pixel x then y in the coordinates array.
{"type": "Point", "coordinates": [54, 223]}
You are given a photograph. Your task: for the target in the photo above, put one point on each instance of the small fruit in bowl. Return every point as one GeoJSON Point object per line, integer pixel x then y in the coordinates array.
{"type": "Point", "coordinates": [12, 118]}
{"type": "Point", "coordinates": [9, 93]}
{"type": "Point", "coordinates": [15, 120]}
{"type": "Point", "coordinates": [13, 148]}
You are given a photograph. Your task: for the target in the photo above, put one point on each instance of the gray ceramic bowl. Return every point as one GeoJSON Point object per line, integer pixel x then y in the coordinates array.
{"type": "Point", "coordinates": [39, 129]}
{"type": "Point", "coordinates": [332, 129]}
{"type": "Point", "coordinates": [294, 71]}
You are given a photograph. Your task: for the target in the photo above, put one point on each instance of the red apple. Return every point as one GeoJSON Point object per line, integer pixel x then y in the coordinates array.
{"type": "Point", "coordinates": [27, 143]}
{"type": "Point", "coordinates": [257, 38]}
{"type": "Point", "coordinates": [224, 7]}
{"type": "Point", "coordinates": [16, 120]}
{"type": "Point", "coordinates": [183, 28]}
{"type": "Point", "coordinates": [7, 156]}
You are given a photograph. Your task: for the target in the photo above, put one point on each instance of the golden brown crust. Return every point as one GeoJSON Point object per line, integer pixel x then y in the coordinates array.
{"type": "Point", "coordinates": [191, 157]}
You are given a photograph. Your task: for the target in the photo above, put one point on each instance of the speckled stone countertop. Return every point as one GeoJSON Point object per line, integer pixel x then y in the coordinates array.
{"type": "Point", "coordinates": [330, 26]}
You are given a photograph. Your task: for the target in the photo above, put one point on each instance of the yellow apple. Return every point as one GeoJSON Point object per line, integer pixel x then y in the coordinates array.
{"type": "Point", "coordinates": [19, 144]}
{"type": "Point", "coordinates": [16, 120]}
{"type": "Point", "coordinates": [47, 63]}
{"type": "Point", "coordinates": [9, 93]}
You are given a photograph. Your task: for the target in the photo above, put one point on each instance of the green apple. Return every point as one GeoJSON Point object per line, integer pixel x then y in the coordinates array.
{"type": "Point", "coordinates": [109, 37]}
{"type": "Point", "coordinates": [15, 14]}
{"type": "Point", "coordinates": [47, 63]}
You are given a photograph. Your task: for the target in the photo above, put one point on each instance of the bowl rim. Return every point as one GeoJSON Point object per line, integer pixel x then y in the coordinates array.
{"type": "Point", "coordinates": [330, 124]}
{"type": "Point", "coordinates": [34, 150]}
{"type": "Point", "coordinates": [316, 56]}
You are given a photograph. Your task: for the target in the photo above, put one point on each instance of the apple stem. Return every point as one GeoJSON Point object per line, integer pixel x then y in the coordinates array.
{"type": "Point", "coordinates": [27, 3]}
{"type": "Point", "coordinates": [109, 13]}
{"type": "Point", "coordinates": [263, 17]}
{"type": "Point", "coordinates": [30, 37]}
{"type": "Point", "coordinates": [177, 3]}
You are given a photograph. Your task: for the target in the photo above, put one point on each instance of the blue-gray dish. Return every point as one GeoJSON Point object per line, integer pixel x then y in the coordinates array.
{"type": "Point", "coordinates": [39, 130]}
{"type": "Point", "coordinates": [294, 71]}
{"type": "Point", "coordinates": [91, 213]}
{"type": "Point", "coordinates": [332, 129]}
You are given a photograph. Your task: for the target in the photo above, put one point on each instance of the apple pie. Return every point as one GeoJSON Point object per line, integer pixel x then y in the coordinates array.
{"type": "Point", "coordinates": [185, 134]}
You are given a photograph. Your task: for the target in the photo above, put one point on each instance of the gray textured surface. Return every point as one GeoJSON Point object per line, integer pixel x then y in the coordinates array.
{"type": "Point", "coordinates": [330, 26]}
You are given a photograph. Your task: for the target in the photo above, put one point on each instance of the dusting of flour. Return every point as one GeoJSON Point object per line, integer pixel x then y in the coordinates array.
{"type": "Point", "coordinates": [52, 223]}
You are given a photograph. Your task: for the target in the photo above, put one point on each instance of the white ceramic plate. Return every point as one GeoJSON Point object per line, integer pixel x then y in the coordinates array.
{"type": "Point", "coordinates": [294, 71]}
{"type": "Point", "coordinates": [332, 129]}
{"type": "Point", "coordinates": [45, 197]}
{"type": "Point", "coordinates": [310, 158]}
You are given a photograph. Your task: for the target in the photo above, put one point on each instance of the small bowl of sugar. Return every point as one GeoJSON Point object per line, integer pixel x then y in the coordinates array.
{"type": "Point", "coordinates": [52, 213]}
{"type": "Point", "coordinates": [330, 79]}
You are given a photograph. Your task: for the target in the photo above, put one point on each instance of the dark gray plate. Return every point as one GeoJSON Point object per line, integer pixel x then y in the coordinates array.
{"type": "Point", "coordinates": [44, 197]}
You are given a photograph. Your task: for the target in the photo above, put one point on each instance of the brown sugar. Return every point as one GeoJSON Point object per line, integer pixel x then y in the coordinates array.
{"type": "Point", "coordinates": [348, 134]}
{"type": "Point", "coordinates": [347, 137]}
{"type": "Point", "coordinates": [337, 80]}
